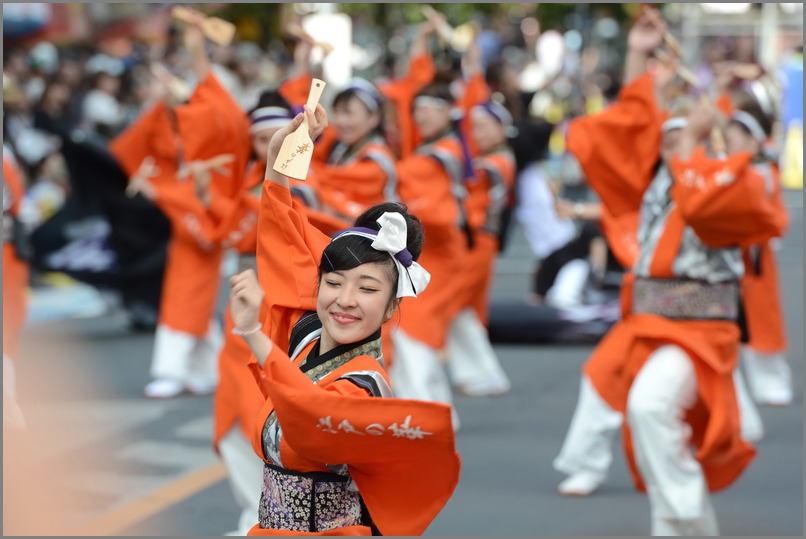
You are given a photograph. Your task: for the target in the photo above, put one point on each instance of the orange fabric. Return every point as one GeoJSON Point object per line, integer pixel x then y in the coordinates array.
{"type": "Point", "coordinates": [15, 299]}
{"type": "Point", "coordinates": [621, 234]}
{"type": "Point", "coordinates": [401, 93]}
{"type": "Point", "coordinates": [152, 134]}
{"type": "Point", "coordinates": [761, 295]}
{"type": "Point", "coordinates": [425, 188]}
{"type": "Point", "coordinates": [618, 148]}
{"type": "Point", "coordinates": [401, 454]}
{"type": "Point", "coordinates": [15, 271]}
{"type": "Point", "coordinates": [189, 286]}
{"type": "Point", "coordinates": [480, 263]}
{"type": "Point", "coordinates": [477, 275]}
{"type": "Point", "coordinates": [351, 188]}
{"type": "Point", "coordinates": [295, 90]}
{"type": "Point", "coordinates": [723, 200]}
{"type": "Point", "coordinates": [404, 483]}
{"type": "Point", "coordinates": [725, 104]}
{"type": "Point", "coordinates": [713, 348]}
{"type": "Point", "coordinates": [475, 92]}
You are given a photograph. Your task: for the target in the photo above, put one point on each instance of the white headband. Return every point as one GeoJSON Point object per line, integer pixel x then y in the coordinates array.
{"type": "Point", "coordinates": [391, 238]}
{"type": "Point", "coordinates": [751, 124]}
{"type": "Point", "coordinates": [266, 117]}
{"type": "Point", "coordinates": [674, 123]}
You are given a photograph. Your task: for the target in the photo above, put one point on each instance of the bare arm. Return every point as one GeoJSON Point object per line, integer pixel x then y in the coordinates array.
{"type": "Point", "coordinates": [645, 36]}
{"type": "Point", "coordinates": [194, 42]}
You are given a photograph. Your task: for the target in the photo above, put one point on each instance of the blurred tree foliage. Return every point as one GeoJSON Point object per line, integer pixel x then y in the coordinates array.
{"type": "Point", "coordinates": [551, 15]}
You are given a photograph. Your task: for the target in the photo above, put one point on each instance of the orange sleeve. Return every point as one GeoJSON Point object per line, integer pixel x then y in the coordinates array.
{"type": "Point", "coordinates": [186, 213]}
{"type": "Point", "coordinates": [618, 148]}
{"type": "Point", "coordinates": [135, 143]}
{"type": "Point", "coordinates": [402, 91]}
{"type": "Point", "coordinates": [12, 178]}
{"type": "Point", "coordinates": [288, 252]}
{"type": "Point", "coordinates": [724, 200]}
{"type": "Point", "coordinates": [426, 189]}
{"type": "Point", "coordinates": [295, 90]}
{"type": "Point", "coordinates": [725, 104]}
{"type": "Point", "coordinates": [476, 92]}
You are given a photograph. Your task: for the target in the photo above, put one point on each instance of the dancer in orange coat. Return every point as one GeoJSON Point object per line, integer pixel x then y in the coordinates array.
{"type": "Point", "coordinates": [15, 288]}
{"type": "Point", "coordinates": [336, 460]}
{"type": "Point", "coordinates": [764, 357]}
{"type": "Point", "coordinates": [157, 151]}
{"type": "Point", "coordinates": [432, 184]}
{"type": "Point", "coordinates": [670, 360]}
{"type": "Point", "coordinates": [472, 362]}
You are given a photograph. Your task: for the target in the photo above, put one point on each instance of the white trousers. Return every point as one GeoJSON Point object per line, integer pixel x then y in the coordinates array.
{"type": "Point", "coordinates": [185, 357]}
{"type": "Point", "coordinates": [417, 373]}
{"type": "Point", "coordinates": [588, 445]}
{"type": "Point", "coordinates": [768, 376]}
{"type": "Point", "coordinates": [471, 358]}
{"type": "Point", "coordinates": [568, 287]}
{"type": "Point", "coordinates": [665, 387]}
{"type": "Point", "coordinates": [245, 473]}
{"type": "Point", "coordinates": [749, 418]}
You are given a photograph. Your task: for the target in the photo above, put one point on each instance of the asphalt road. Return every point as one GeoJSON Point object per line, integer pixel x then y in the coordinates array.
{"type": "Point", "coordinates": [100, 458]}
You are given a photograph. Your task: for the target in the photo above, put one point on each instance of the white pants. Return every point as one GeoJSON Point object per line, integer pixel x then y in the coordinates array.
{"type": "Point", "coordinates": [471, 358]}
{"type": "Point", "coordinates": [749, 418]}
{"type": "Point", "coordinates": [665, 387]}
{"type": "Point", "coordinates": [417, 373]}
{"type": "Point", "coordinates": [245, 472]}
{"type": "Point", "coordinates": [768, 376]}
{"type": "Point", "coordinates": [588, 444]}
{"type": "Point", "coordinates": [568, 287]}
{"type": "Point", "coordinates": [185, 357]}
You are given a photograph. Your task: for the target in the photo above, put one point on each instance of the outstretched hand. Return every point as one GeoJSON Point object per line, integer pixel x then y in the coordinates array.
{"type": "Point", "coordinates": [246, 298]}
{"type": "Point", "coordinates": [647, 33]}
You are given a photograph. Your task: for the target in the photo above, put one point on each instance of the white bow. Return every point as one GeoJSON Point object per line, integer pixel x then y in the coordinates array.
{"type": "Point", "coordinates": [392, 238]}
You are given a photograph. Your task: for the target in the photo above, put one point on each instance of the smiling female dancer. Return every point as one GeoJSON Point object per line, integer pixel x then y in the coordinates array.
{"type": "Point", "coordinates": [336, 460]}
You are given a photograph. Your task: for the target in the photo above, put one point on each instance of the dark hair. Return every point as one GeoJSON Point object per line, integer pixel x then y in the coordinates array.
{"type": "Point", "coordinates": [345, 95]}
{"type": "Point", "coordinates": [270, 98]}
{"type": "Point", "coordinates": [747, 102]}
{"type": "Point", "coordinates": [352, 251]}
{"type": "Point", "coordinates": [439, 90]}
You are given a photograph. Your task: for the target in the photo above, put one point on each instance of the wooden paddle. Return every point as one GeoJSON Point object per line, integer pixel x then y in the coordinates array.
{"type": "Point", "coordinates": [294, 157]}
{"type": "Point", "coordinates": [215, 29]}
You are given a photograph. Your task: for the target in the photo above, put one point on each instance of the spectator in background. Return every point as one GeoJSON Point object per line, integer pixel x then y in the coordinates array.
{"type": "Point", "coordinates": [101, 110]}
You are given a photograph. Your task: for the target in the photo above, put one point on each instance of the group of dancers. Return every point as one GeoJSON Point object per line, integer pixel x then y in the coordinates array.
{"type": "Point", "coordinates": [333, 396]}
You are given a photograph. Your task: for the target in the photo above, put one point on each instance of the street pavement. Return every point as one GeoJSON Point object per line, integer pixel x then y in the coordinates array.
{"type": "Point", "coordinates": [99, 458]}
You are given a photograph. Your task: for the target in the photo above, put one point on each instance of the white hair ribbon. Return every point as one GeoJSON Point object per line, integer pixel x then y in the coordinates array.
{"type": "Point", "coordinates": [391, 238]}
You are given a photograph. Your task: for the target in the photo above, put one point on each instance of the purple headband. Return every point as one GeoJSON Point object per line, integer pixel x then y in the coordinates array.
{"type": "Point", "coordinates": [404, 256]}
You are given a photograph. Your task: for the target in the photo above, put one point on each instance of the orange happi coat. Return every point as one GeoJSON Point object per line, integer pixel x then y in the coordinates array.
{"type": "Point", "coordinates": [719, 199]}
{"type": "Point", "coordinates": [760, 288]}
{"type": "Point", "coordinates": [432, 186]}
{"type": "Point", "coordinates": [404, 481]}
{"type": "Point", "coordinates": [488, 196]}
{"type": "Point", "coordinates": [210, 124]}
{"type": "Point", "coordinates": [401, 94]}
{"type": "Point", "coordinates": [15, 271]}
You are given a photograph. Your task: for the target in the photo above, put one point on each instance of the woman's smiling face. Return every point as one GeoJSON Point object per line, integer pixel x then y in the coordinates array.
{"type": "Point", "coordinates": [353, 304]}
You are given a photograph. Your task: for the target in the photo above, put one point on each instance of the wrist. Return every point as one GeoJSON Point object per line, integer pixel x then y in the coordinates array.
{"type": "Point", "coordinates": [251, 331]}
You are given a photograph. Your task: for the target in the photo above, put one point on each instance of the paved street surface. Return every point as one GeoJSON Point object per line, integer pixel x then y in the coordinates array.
{"type": "Point", "coordinates": [99, 458]}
